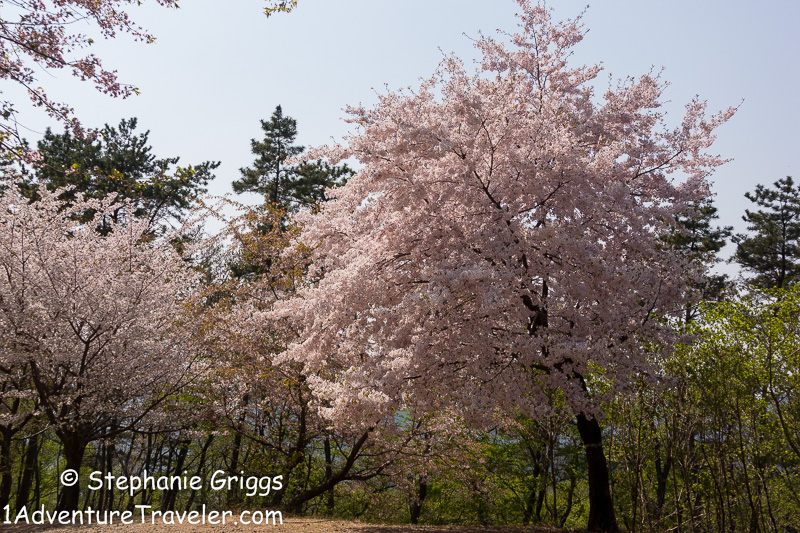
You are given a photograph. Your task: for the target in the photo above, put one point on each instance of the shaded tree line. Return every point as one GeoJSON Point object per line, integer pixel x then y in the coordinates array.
{"type": "Point", "coordinates": [710, 446]}
{"type": "Point", "coordinates": [291, 344]}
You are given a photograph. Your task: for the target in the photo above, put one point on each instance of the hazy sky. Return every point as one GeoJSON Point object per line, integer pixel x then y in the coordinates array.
{"type": "Point", "coordinates": [218, 67]}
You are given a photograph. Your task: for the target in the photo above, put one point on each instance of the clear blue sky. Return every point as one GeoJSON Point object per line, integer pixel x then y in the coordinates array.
{"type": "Point", "coordinates": [218, 67]}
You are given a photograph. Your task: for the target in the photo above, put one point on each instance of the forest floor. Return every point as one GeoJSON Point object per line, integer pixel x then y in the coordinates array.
{"type": "Point", "coordinates": [290, 525]}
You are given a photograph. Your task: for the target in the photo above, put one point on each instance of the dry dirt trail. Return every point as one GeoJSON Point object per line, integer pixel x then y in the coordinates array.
{"type": "Point", "coordinates": [290, 525]}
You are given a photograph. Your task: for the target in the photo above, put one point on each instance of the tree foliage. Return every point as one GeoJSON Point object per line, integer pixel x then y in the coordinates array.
{"type": "Point", "coordinates": [267, 404]}
{"type": "Point", "coordinates": [40, 36]}
{"type": "Point", "coordinates": [282, 183]}
{"type": "Point", "coordinates": [504, 237]}
{"type": "Point", "coordinates": [90, 323]}
{"type": "Point", "coordinates": [119, 161]}
{"type": "Point", "coordinates": [279, 6]}
{"type": "Point", "coordinates": [697, 236]}
{"type": "Point", "coordinates": [771, 251]}
{"type": "Point", "coordinates": [437, 343]}
{"type": "Point", "coordinates": [714, 447]}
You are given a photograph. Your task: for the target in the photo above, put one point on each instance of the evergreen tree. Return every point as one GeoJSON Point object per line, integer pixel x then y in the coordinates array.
{"type": "Point", "coordinates": [771, 251]}
{"type": "Point", "coordinates": [286, 186]}
{"type": "Point", "coordinates": [702, 240]}
{"type": "Point", "coordinates": [314, 177]}
{"type": "Point", "coordinates": [118, 160]}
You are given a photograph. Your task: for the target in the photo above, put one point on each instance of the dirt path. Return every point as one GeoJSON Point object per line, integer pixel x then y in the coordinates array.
{"type": "Point", "coordinates": [290, 525]}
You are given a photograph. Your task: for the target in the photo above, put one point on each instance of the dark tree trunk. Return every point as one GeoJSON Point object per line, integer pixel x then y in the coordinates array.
{"type": "Point", "coordinates": [147, 467]}
{"type": "Point", "coordinates": [540, 503]}
{"type": "Point", "coordinates": [170, 495]}
{"type": "Point", "coordinates": [233, 495]}
{"type": "Point", "coordinates": [6, 478]}
{"type": "Point", "coordinates": [601, 505]}
{"type": "Point", "coordinates": [294, 456]}
{"type": "Point", "coordinates": [662, 474]}
{"type": "Point", "coordinates": [37, 488]}
{"type": "Point", "coordinates": [416, 506]}
{"type": "Point", "coordinates": [530, 504]}
{"type": "Point", "coordinates": [31, 455]}
{"type": "Point", "coordinates": [343, 474]}
{"type": "Point", "coordinates": [74, 448]}
{"type": "Point", "coordinates": [101, 503]}
{"type": "Point", "coordinates": [200, 466]}
{"type": "Point", "coordinates": [110, 452]}
{"type": "Point", "coordinates": [329, 473]}
{"type": "Point", "coordinates": [573, 482]}
{"type": "Point", "coordinates": [237, 447]}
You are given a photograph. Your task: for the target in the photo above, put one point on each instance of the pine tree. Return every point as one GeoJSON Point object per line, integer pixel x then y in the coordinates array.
{"type": "Point", "coordinates": [702, 241]}
{"type": "Point", "coordinates": [118, 160]}
{"type": "Point", "coordinates": [286, 186]}
{"type": "Point", "coordinates": [771, 251]}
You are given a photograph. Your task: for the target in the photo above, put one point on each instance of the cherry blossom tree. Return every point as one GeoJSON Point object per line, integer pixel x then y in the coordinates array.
{"type": "Point", "coordinates": [267, 404]}
{"type": "Point", "coordinates": [504, 237]}
{"type": "Point", "coordinates": [92, 321]}
{"type": "Point", "coordinates": [38, 35]}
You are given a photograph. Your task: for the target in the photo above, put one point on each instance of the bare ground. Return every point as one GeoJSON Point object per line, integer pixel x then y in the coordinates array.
{"type": "Point", "coordinates": [290, 525]}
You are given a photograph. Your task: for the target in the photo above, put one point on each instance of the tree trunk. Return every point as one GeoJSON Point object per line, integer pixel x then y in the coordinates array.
{"type": "Point", "coordinates": [74, 448]}
{"type": "Point", "coordinates": [530, 505]}
{"type": "Point", "coordinates": [601, 506]}
{"type": "Point", "coordinates": [416, 505]}
{"type": "Point", "coordinates": [110, 452]}
{"type": "Point", "coordinates": [31, 455]}
{"type": "Point", "coordinates": [233, 495]}
{"type": "Point", "coordinates": [329, 473]}
{"type": "Point", "coordinates": [662, 474]}
{"type": "Point", "coordinates": [170, 495]}
{"type": "Point", "coordinates": [148, 468]}
{"type": "Point", "coordinates": [101, 497]}
{"type": "Point", "coordinates": [200, 466]}
{"type": "Point", "coordinates": [540, 502]}
{"type": "Point", "coordinates": [6, 478]}
{"type": "Point", "coordinates": [294, 456]}
{"type": "Point", "coordinates": [302, 496]}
